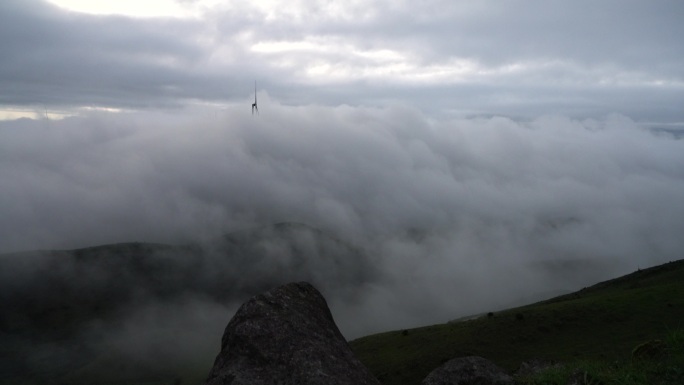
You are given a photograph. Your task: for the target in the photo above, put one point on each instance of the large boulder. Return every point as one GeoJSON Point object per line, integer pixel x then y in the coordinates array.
{"type": "Point", "coordinates": [286, 336]}
{"type": "Point", "coordinates": [468, 371]}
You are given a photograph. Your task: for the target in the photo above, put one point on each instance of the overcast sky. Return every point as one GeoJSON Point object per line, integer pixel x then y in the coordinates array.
{"type": "Point", "coordinates": [463, 58]}
{"type": "Point", "coordinates": [460, 143]}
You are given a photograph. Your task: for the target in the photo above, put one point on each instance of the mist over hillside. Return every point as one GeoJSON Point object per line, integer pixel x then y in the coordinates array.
{"type": "Point", "coordinates": [487, 209]}
{"type": "Point", "coordinates": [156, 304]}
{"type": "Point", "coordinates": [423, 220]}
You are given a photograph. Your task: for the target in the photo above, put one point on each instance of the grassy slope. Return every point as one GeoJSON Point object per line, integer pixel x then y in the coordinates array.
{"type": "Point", "coordinates": [604, 321]}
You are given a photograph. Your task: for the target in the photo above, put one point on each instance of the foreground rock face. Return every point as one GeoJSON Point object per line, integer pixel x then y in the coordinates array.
{"type": "Point", "coordinates": [468, 371]}
{"type": "Point", "coordinates": [286, 336]}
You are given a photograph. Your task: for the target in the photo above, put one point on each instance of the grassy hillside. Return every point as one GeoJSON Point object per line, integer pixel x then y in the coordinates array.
{"type": "Point", "coordinates": [603, 322]}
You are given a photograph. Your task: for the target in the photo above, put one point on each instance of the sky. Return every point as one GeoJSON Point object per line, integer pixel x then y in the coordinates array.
{"type": "Point", "coordinates": [448, 58]}
{"type": "Point", "coordinates": [471, 147]}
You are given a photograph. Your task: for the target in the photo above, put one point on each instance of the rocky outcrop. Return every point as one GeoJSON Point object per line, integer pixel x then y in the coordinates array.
{"type": "Point", "coordinates": [468, 371]}
{"type": "Point", "coordinates": [286, 336]}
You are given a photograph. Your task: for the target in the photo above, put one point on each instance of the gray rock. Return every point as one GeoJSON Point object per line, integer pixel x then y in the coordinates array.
{"type": "Point", "coordinates": [468, 371]}
{"type": "Point", "coordinates": [286, 336]}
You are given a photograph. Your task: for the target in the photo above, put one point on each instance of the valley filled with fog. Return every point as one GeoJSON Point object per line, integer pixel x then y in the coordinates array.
{"type": "Point", "coordinates": [455, 216]}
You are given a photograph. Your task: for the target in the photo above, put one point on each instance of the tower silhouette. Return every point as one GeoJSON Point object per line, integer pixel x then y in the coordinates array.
{"type": "Point", "coordinates": [254, 105]}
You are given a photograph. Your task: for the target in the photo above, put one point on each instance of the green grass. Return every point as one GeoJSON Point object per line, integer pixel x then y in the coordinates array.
{"type": "Point", "coordinates": [665, 369]}
{"type": "Point", "coordinates": [599, 324]}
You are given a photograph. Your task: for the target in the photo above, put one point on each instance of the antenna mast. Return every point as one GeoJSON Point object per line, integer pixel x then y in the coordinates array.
{"type": "Point", "coordinates": [254, 105]}
{"type": "Point", "coordinates": [47, 117]}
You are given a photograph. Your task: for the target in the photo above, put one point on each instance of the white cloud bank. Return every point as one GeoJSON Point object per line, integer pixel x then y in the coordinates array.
{"type": "Point", "coordinates": [447, 206]}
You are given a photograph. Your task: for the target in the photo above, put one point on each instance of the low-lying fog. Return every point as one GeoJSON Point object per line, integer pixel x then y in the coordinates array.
{"type": "Point", "coordinates": [455, 217]}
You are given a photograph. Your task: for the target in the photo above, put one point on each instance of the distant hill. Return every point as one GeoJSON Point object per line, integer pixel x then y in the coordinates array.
{"type": "Point", "coordinates": [59, 306]}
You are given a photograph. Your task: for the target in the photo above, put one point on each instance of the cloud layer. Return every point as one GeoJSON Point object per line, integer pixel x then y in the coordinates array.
{"type": "Point", "coordinates": [520, 59]}
{"type": "Point", "coordinates": [444, 205]}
